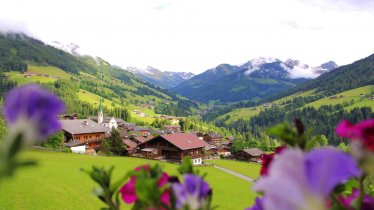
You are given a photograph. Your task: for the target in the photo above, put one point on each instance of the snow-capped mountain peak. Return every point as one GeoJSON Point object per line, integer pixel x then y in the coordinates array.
{"type": "Point", "coordinates": [293, 68]}
{"type": "Point", "coordinates": [165, 79]}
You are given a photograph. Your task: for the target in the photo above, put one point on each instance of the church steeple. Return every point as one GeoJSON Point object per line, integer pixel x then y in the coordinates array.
{"type": "Point", "coordinates": [100, 116]}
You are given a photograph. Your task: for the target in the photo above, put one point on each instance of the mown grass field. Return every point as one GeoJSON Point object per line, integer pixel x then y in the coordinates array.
{"type": "Point", "coordinates": [248, 169]}
{"type": "Point", "coordinates": [347, 96]}
{"type": "Point", "coordinates": [49, 70]}
{"type": "Point", "coordinates": [57, 183]}
{"type": "Point", "coordinates": [20, 79]}
{"type": "Point", "coordinates": [94, 99]}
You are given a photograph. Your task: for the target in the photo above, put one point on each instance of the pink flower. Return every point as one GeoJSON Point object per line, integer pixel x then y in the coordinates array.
{"type": "Point", "coordinates": [268, 158]}
{"type": "Point", "coordinates": [367, 202]}
{"type": "Point", "coordinates": [363, 131]}
{"type": "Point", "coordinates": [165, 197]}
{"type": "Point", "coordinates": [163, 179]}
{"type": "Point", "coordinates": [128, 191]}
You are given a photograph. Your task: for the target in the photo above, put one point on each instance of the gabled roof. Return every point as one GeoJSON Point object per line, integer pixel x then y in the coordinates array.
{"type": "Point", "coordinates": [143, 139]}
{"type": "Point", "coordinates": [82, 126]}
{"type": "Point", "coordinates": [183, 141]}
{"type": "Point", "coordinates": [130, 144]}
{"type": "Point", "coordinates": [253, 151]}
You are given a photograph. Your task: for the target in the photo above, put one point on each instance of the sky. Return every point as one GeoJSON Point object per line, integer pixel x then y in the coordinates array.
{"type": "Point", "coordinates": [196, 35]}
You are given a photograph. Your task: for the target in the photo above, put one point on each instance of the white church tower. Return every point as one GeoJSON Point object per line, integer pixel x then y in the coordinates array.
{"type": "Point", "coordinates": [100, 116]}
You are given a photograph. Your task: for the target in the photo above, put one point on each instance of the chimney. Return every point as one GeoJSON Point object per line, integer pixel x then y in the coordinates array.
{"type": "Point", "coordinates": [85, 122]}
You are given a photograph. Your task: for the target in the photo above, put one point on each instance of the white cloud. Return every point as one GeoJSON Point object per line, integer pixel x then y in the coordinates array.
{"type": "Point", "coordinates": [196, 35]}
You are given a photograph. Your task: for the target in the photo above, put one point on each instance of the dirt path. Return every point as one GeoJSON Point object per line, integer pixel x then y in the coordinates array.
{"type": "Point", "coordinates": [249, 179]}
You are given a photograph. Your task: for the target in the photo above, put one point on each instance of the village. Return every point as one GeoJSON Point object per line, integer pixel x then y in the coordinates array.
{"type": "Point", "coordinates": [171, 144]}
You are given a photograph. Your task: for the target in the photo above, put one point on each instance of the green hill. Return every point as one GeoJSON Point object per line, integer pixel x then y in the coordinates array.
{"type": "Point", "coordinates": [27, 60]}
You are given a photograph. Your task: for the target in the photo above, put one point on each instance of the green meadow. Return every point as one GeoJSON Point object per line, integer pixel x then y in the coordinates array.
{"type": "Point", "coordinates": [360, 97]}
{"type": "Point", "coordinates": [58, 183]}
{"type": "Point", "coordinates": [248, 169]}
{"type": "Point", "coordinates": [49, 70]}
{"type": "Point", "coordinates": [20, 79]}
{"type": "Point", "coordinates": [341, 98]}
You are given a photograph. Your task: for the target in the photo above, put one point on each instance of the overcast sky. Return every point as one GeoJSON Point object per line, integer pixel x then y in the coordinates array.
{"type": "Point", "coordinates": [195, 35]}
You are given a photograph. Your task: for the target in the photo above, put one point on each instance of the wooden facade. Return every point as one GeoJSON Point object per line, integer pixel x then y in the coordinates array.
{"type": "Point", "coordinates": [213, 139]}
{"type": "Point", "coordinates": [83, 132]}
{"type": "Point", "coordinates": [250, 155]}
{"type": "Point", "coordinates": [170, 151]}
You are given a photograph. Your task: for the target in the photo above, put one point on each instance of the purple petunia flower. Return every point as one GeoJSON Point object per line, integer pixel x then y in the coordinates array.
{"type": "Point", "coordinates": [192, 193]}
{"type": "Point", "coordinates": [32, 111]}
{"type": "Point", "coordinates": [258, 204]}
{"type": "Point", "coordinates": [303, 181]}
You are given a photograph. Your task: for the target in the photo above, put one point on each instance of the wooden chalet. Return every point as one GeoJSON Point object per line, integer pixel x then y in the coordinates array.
{"type": "Point", "coordinates": [252, 154]}
{"type": "Point", "coordinates": [141, 138]}
{"type": "Point", "coordinates": [83, 132]}
{"type": "Point", "coordinates": [213, 139]}
{"type": "Point", "coordinates": [211, 150]}
{"type": "Point", "coordinates": [131, 146]}
{"type": "Point", "coordinates": [174, 147]}
{"type": "Point", "coordinates": [223, 150]}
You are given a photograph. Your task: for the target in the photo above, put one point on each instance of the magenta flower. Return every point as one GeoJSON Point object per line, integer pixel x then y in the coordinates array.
{"type": "Point", "coordinates": [32, 111]}
{"type": "Point", "coordinates": [268, 158]}
{"type": "Point", "coordinates": [367, 202]}
{"type": "Point", "coordinates": [303, 181]}
{"type": "Point", "coordinates": [128, 190]}
{"type": "Point", "coordinates": [193, 193]}
{"type": "Point", "coordinates": [363, 131]}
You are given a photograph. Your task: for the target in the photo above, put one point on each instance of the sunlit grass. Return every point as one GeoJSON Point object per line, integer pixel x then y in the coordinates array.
{"type": "Point", "coordinates": [58, 183]}
{"type": "Point", "coordinates": [248, 169]}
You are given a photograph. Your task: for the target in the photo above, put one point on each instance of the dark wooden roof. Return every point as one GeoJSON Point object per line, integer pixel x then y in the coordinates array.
{"type": "Point", "coordinates": [82, 126]}
{"type": "Point", "coordinates": [253, 151]}
{"type": "Point", "coordinates": [143, 139]}
{"type": "Point", "coordinates": [129, 143]}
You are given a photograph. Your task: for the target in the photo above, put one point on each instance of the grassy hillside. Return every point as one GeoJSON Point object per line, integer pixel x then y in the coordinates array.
{"type": "Point", "coordinates": [21, 56]}
{"type": "Point", "coordinates": [48, 70]}
{"type": "Point", "coordinates": [350, 99]}
{"type": "Point", "coordinates": [352, 96]}
{"type": "Point", "coordinates": [57, 183]}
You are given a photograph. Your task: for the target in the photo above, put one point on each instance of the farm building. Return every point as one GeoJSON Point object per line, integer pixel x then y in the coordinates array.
{"type": "Point", "coordinates": [131, 146]}
{"type": "Point", "coordinates": [252, 154]}
{"type": "Point", "coordinates": [83, 132]}
{"type": "Point", "coordinates": [174, 147]}
{"type": "Point", "coordinates": [213, 139]}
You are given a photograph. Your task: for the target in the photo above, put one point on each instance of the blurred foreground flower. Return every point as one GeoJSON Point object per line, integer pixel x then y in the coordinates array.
{"type": "Point", "coordinates": [147, 188]}
{"type": "Point", "coordinates": [32, 115]}
{"type": "Point", "coordinates": [362, 145]}
{"type": "Point", "coordinates": [349, 201]}
{"type": "Point", "coordinates": [308, 179]}
{"type": "Point", "coordinates": [193, 194]}
{"type": "Point", "coordinates": [32, 112]}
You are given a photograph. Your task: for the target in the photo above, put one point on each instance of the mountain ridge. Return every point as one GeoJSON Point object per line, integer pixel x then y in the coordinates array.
{"type": "Point", "coordinates": [255, 79]}
{"type": "Point", "coordinates": [163, 79]}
